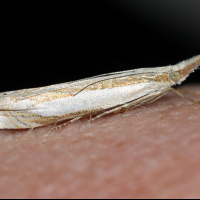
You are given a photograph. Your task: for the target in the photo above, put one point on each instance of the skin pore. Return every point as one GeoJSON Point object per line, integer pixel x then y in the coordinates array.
{"type": "Point", "coordinates": [148, 152]}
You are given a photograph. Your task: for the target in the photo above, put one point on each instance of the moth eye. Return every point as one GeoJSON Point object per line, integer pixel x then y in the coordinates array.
{"type": "Point", "coordinates": [175, 76]}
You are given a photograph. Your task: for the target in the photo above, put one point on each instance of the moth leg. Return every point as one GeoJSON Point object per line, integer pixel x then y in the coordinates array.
{"type": "Point", "coordinates": [134, 106]}
{"type": "Point", "coordinates": [147, 100]}
{"type": "Point", "coordinates": [188, 92]}
{"type": "Point", "coordinates": [184, 96]}
{"type": "Point", "coordinates": [126, 105]}
{"type": "Point", "coordinates": [66, 123]}
{"type": "Point", "coordinates": [105, 113]}
{"type": "Point", "coordinates": [156, 98]}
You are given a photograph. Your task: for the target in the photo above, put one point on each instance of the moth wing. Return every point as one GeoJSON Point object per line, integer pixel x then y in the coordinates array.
{"type": "Point", "coordinates": [36, 115]}
{"type": "Point", "coordinates": [26, 93]}
{"type": "Point", "coordinates": [71, 88]}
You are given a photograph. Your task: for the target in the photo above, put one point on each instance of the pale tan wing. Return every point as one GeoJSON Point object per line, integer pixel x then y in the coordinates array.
{"type": "Point", "coordinates": [26, 93]}
{"type": "Point", "coordinates": [73, 88]}
{"type": "Point", "coordinates": [48, 111]}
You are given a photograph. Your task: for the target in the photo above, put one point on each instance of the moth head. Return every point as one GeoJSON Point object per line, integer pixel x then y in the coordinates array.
{"type": "Point", "coordinates": [182, 70]}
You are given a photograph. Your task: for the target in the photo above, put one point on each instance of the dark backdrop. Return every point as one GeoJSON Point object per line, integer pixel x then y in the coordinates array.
{"type": "Point", "coordinates": [55, 43]}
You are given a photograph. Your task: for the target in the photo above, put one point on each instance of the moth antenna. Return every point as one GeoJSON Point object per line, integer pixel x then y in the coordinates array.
{"type": "Point", "coordinates": [106, 80]}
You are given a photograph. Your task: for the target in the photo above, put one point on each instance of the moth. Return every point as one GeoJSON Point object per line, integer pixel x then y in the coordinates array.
{"type": "Point", "coordinates": [95, 96]}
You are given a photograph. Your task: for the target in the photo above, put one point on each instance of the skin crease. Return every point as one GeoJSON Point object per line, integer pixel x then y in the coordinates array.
{"type": "Point", "coordinates": [148, 152]}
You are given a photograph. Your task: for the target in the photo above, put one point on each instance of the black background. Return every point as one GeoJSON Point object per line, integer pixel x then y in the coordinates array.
{"type": "Point", "coordinates": [55, 43]}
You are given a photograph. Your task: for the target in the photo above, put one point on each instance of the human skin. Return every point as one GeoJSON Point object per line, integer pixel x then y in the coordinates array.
{"type": "Point", "coordinates": [147, 152]}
